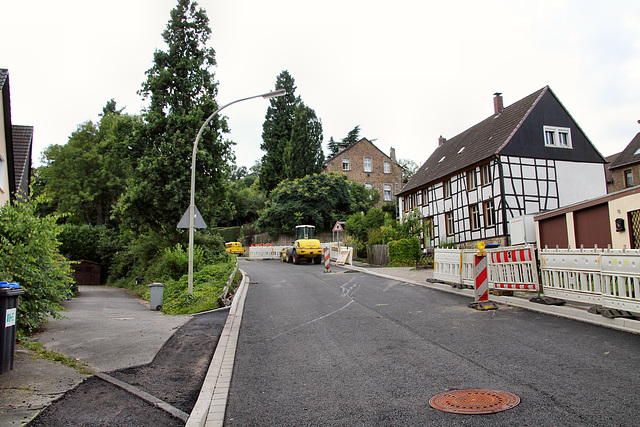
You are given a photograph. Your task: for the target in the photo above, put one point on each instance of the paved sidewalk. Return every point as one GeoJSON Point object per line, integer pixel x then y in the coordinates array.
{"type": "Point", "coordinates": [104, 327]}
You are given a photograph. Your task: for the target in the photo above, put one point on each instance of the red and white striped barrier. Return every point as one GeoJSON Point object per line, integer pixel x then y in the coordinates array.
{"type": "Point", "coordinates": [327, 259]}
{"type": "Point", "coordinates": [481, 293]}
{"type": "Point", "coordinates": [513, 268]}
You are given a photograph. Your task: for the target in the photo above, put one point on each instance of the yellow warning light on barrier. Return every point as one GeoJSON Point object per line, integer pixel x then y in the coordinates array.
{"type": "Point", "coordinates": [481, 246]}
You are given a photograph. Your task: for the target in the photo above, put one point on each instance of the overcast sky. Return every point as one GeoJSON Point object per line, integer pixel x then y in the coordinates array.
{"type": "Point", "coordinates": [406, 71]}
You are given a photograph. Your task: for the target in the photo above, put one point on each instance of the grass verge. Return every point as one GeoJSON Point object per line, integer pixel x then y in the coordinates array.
{"type": "Point", "coordinates": [42, 352]}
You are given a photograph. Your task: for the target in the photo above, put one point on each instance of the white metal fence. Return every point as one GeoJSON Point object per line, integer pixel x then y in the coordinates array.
{"type": "Point", "coordinates": [607, 277]}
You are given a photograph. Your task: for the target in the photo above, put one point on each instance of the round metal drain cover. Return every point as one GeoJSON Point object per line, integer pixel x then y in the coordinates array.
{"type": "Point", "coordinates": [474, 401]}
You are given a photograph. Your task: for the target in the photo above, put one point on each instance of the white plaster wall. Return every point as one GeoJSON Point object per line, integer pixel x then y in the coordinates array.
{"type": "Point", "coordinates": [578, 182]}
{"type": "Point", "coordinates": [618, 209]}
{"type": "Point", "coordinates": [4, 173]}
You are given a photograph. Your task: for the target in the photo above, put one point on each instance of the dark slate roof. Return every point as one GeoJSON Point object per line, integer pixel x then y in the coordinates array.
{"type": "Point", "coordinates": [4, 73]}
{"type": "Point", "coordinates": [22, 139]}
{"type": "Point", "coordinates": [629, 156]}
{"type": "Point", "coordinates": [478, 143]}
{"type": "Point", "coordinates": [610, 159]}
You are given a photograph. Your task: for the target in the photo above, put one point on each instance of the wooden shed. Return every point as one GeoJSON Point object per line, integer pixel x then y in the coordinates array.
{"type": "Point", "coordinates": [86, 273]}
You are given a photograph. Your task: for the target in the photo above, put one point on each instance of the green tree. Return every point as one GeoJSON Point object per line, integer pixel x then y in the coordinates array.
{"type": "Point", "coordinates": [86, 176]}
{"type": "Point", "coordinates": [29, 255]}
{"type": "Point", "coordinates": [352, 137]}
{"type": "Point", "coordinates": [182, 90]}
{"type": "Point", "coordinates": [303, 153]}
{"type": "Point", "coordinates": [409, 168]}
{"type": "Point", "coordinates": [319, 200]}
{"type": "Point", "coordinates": [276, 132]}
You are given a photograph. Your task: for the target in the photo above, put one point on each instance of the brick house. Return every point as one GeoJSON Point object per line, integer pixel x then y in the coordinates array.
{"type": "Point", "coordinates": [624, 170]}
{"type": "Point", "coordinates": [366, 164]}
{"type": "Point", "coordinates": [526, 158]}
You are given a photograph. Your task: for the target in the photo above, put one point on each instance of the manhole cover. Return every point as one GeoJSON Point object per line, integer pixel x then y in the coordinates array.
{"type": "Point", "coordinates": [474, 401]}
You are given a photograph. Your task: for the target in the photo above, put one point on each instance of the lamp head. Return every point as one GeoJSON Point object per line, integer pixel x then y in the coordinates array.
{"type": "Point", "coordinates": [274, 94]}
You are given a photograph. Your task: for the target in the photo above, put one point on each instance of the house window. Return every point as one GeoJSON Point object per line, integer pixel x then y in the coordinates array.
{"type": "Point", "coordinates": [448, 220]}
{"type": "Point", "coordinates": [425, 199]}
{"type": "Point", "coordinates": [557, 137]}
{"type": "Point", "coordinates": [387, 193]}
{"type": "Point", "coordinates": [447, 188]}
{"type": "Point", "coordinates": [628, 178]}
{"type": "Point", "coordinates": [3, 166]}
{"type": "Point", "coordinates": [489, 214]}
{"type": "Point", "coordinates": [345, 164]}
{"type": "Point", "coordinates": [367, 164]}
{"type": "Point", "coordinates": [387, 167]}
{"type": "Point", "coordinates": [472, 181]}
{"type": "Point", "coordinates": [368, 186]}
{"type": "Point", "coordinates": [474, 214]}
{"type": "Point", "coordinates": [485, 173]}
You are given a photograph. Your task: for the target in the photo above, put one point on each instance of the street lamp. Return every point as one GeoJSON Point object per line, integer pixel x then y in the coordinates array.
{"type": "Point", "coordinates": [192, 205]}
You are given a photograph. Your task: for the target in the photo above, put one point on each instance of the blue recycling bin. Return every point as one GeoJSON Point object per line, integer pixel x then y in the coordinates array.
{"type": "Point", "coordinates": [9, 293]}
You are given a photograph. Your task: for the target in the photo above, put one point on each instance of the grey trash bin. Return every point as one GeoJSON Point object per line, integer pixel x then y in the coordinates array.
{"type": "Point", "coordinates": [156, 292]}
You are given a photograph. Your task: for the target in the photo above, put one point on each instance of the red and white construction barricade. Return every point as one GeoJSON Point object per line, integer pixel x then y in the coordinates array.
{"type": "Point", "coordinates": [340, 254]}
{"type": "Point", "coordinates": [326, 253]}
{"type": "Point", "coordinates": [513, 268]}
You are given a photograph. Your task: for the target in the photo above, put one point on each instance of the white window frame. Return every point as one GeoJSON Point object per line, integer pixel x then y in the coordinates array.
{"type": "Point", "coordinates": [474, 217]}
{"type": "Point", "coordinates": [472, 180]}
{"type": "Point", "coordinates": [387, 167]}
{"type": "Point", "coordinates": [345, 162]}
{"type": "Point", "coordinates": [3, 168]}
{"type": "Point", "coordinates": [368, 164]}
{"type": "Point", "coordinates": [387, 193]}
{"type": "Point", "coordinates": [446, 189]}
{"type": "Point", "coordinates": [628, 178]}
{"type": "Point", "coordinates": [557, 137]}
{"type": "Point", "coordinates": [489, 213]}
{"type": "Point", "coordinates": [485, 173]}
{"type": "Point", "coordinates": [449, 223]}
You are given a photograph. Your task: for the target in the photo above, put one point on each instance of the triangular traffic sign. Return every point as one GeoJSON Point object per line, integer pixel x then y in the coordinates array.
{"type": "Point", "coordinates": [198, 222]}
{"type": "Point", "coordinates": [338, 227]}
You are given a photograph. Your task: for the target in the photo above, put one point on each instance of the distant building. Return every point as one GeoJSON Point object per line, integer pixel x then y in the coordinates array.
{"type": "Point", "coordinates": [15, 148]}
{"type": "Point", "coordinates": [624, 169]}
{"type": "Point", "coordinates": [366, 164]}
{"type": "Point", "coordinates": [527, 158]}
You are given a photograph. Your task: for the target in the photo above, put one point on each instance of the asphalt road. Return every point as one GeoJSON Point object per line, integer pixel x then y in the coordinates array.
{"type": "Point", "coordinates": [354, 349]}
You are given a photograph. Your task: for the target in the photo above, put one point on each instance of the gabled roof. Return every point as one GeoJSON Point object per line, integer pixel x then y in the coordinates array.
{"type": "Point", "coordinates": [4, 73]}
{"type": "Point", "coordinates": [629, 156]}
{"type": "Point", "coordinates": [340, 153]}
{"type": "Point", "coordinates": [478, 143]}
{"type": "Point", "coordinates": [22, 139]}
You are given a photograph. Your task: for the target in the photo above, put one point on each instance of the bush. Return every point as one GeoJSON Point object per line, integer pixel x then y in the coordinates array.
{"type": "Point", "coordinates": [29, 255]}
{"type": "Point", "coordinates": [208, 284]}
{"type": "Point", "coordinates": [404, 251]}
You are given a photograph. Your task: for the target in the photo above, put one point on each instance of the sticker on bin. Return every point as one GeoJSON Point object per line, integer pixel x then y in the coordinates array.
{"type": "Point", "coordinates": [9, 285]}
{"type": "Point", "coordinates": [11, 317]}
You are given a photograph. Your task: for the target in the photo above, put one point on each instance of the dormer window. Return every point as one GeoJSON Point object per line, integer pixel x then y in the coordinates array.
{"type": "Point", "coordinates": [557, 137]}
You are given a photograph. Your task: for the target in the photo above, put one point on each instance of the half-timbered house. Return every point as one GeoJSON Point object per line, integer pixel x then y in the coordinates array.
{"type": "Point", "coordinates": [524, 159]}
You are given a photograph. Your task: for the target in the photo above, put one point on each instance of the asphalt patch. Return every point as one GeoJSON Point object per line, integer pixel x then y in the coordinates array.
{"type": "Point", "coordinates": [175, 376]}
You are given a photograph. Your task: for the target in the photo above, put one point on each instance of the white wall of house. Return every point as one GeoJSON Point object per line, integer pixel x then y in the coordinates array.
{"type": "Point", "coordinates": [620, 208]}
{"type": "Point", "coordinates": [578, 182]}
{"type": "Point", "coordinates": [4, 172]}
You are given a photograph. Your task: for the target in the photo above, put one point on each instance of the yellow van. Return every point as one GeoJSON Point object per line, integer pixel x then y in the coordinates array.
{"type": "Point", "coordinates": [234, 248]}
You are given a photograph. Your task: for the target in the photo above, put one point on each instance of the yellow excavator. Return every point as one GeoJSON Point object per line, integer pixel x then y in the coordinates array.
{"type": "Point", "coordinates": [306, 247]}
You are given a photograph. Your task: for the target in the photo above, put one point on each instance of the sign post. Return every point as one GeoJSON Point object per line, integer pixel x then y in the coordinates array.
{"type": "Point", "coordinates": [337, 229]}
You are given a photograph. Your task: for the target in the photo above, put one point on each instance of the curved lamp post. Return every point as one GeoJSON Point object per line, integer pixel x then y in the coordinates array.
{"type": "Point", "coordinates": [192, 205]}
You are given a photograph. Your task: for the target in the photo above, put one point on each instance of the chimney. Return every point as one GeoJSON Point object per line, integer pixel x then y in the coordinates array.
{"type": "Point", "coordinates": [441, 140]}
{"type": "Point", "coordinates": [497, 103]}
{"type": "Point", "coordinates": [392, 154]}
